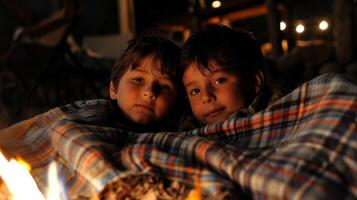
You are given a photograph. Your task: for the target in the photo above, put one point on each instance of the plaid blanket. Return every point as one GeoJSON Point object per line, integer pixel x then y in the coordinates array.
{"type": "Point", "coordinates": [304, 146]}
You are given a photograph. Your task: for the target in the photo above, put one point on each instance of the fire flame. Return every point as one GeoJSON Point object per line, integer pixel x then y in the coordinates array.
{"type": "Point", "coordinates": [55, 188]}
{"type": "Point", "coordinates": [18, 180]}
{"type": "Point", "coordinates": [23, 163]}
{"type": "Point", "coordinates": [195, 193]}
{"type": "Point", "coordinates": [16, 176]}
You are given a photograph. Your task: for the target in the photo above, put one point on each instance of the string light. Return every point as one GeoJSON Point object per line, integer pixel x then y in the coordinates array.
{"type": "Point", "coordinates": [323, 25]}
{"type": "Point", "coordinates": [216, 4]}
{"type": "Point", "coordinates": [300, 28]}
{"type": "Point", "coordinates": [282, 25]}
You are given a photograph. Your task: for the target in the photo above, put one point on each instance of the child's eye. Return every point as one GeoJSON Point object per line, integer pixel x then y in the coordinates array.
{"type": "Point", "coordinates": [219, 81]}
{"type": "Point", "coordinates": [165, 88]}
{"type": "Point", "coordinates": [138, 80]}
{"type": "Point", "coordinates": [194, 91]}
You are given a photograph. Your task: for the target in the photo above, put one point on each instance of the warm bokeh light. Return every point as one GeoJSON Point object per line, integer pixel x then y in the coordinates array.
{"type": "Point", "coordinates": [323, 25]}
{"type": "Point", "coordinates": [216, 4]}
{"type": "Point", "coordinates": [300, 28]}
{"type": "Point", "coordinates": [282, 25]}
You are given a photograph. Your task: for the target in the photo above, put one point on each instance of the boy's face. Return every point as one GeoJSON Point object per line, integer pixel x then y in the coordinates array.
{"type": "Point", "coordinates": [144, 94]}
{"type": "Point", "coordinates": [214, 95]}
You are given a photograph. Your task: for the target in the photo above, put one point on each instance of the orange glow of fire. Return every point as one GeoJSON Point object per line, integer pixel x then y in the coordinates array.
{"type": "Point", "coordinates": [18, 180]}
{"type": "Point", "coordinates": [55, 189]}
{"type": "Point", "coordinates": [21, 185]}
{"type": "Point", "coordinates": [23, 163]}
{"type": "Point", "coordinates": [196, 193]}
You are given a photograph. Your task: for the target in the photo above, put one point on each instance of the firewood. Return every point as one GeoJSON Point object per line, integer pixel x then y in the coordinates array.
{"type": "Point", "coordinates": [144, 187]}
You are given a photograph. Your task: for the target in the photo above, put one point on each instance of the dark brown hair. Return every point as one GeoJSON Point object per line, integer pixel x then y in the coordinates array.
{"type": "Point", "coordinates": [167, 55]}
{"type": "Point", "coordinates": [234, 50]}
{"type": "Point", "coordinates": [164, 51]}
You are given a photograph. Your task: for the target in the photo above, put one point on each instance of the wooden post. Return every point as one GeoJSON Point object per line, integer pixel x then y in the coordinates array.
{"type": "Point", "coordinates": [343, 30]}
{"type": "Point", "coordinates": [126, 16]}
{"type": "Point", "coordinates": [194, 9]}
{"type": "Point", "coordinates": [289, 20]}
{"type": "Point", "coordinates": [274, 27]}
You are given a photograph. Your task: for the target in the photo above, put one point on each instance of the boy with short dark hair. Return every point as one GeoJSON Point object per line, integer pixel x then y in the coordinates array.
{"type": "Point", "coordinates": [223, 74]}
{"type": "Point", "coordinates": [145, 83]}
{"type": "Point", "coordinates": [146, 92]}
{"type": "Point", "coordinates": [146, 95]}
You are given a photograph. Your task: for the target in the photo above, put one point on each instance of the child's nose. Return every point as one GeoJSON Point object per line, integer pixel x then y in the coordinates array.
{"type": "Point", "coordinates": [149, 91]}
{"type": "Point", "coordinates": [208, 96]}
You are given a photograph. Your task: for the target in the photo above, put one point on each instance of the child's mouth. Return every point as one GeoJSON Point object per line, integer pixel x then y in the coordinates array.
{"type": "Point", "coordinates": [214, 112]}
{"type": "Point", "coordinates": [145, 106]}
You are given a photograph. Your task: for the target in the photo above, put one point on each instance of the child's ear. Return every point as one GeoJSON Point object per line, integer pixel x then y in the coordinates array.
{"type": "Point", "coordinates": [112, 91]}
{"type": "Point", "coordinates": [259, 81]}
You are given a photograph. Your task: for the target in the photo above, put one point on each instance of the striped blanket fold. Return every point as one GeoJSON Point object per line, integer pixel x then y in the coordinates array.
{"type": "Point", "coordinates": [304, 146]}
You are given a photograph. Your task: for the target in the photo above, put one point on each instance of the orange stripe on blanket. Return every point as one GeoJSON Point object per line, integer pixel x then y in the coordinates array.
{"type": "Point", "coordinates": [202, 150]}
{"type": "Point", "coordinates": [303, 110]}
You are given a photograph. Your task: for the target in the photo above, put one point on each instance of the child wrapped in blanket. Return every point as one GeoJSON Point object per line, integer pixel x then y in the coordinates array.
{"type": "Point", "coordinates": [146, 95]}
{"type": "Point", "coordinates": [288, 151]}
{"type": "Point", "coordinates": [223, 74]}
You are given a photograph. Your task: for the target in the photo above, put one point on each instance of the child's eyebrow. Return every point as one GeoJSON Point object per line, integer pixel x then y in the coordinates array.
{"type": "Point", "coordinates": [139, 70]}
{"type": "Point", "coordinates": [210, 72]}
{"type": "Point", "coordinates": [165, 76]}
{"type": "Point", "coordinates": [189, 83]}
{"type": "Point", "coordinates": [218, 70]}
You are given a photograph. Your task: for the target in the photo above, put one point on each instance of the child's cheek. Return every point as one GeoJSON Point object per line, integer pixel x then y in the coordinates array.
{"type": "Point", "coordinates": [163, 106]}
{"type": "Point", "coordinates": [132, 88]}
{"type": "Point", "coordinates": [196, 107]}
{"type": "Point", "coordinates": [169, 100]}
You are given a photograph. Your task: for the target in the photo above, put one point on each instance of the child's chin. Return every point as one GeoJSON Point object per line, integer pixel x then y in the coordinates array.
{"type": "Point", "coordinates": [142, 118]}
{"type": "Point", "coordinates": [215, 120]}
{"type": "Point", "coordinates": [144, 121]}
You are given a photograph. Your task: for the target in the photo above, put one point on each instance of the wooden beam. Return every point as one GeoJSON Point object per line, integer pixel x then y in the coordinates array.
{"type": "Point", "coordinates": [246, 13]}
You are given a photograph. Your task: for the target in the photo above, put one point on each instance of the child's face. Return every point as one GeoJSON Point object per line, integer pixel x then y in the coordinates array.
{"type": "Point", "coordinates": [144, 94]}
{"type": "Point", "coordinates": [214, 95]}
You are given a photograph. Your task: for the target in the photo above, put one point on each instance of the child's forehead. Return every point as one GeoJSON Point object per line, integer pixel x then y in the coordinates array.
{"type": "Point", "coordinates": [149, 65]}
{"type": "Point", "coordinates": [193, 74]}
{"type": "Point", "coordinates": [212, 67]}
{"type": "Point", "coordinates": [149, 69]}
{"type": "Point", "coordinates": [150, 61]}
